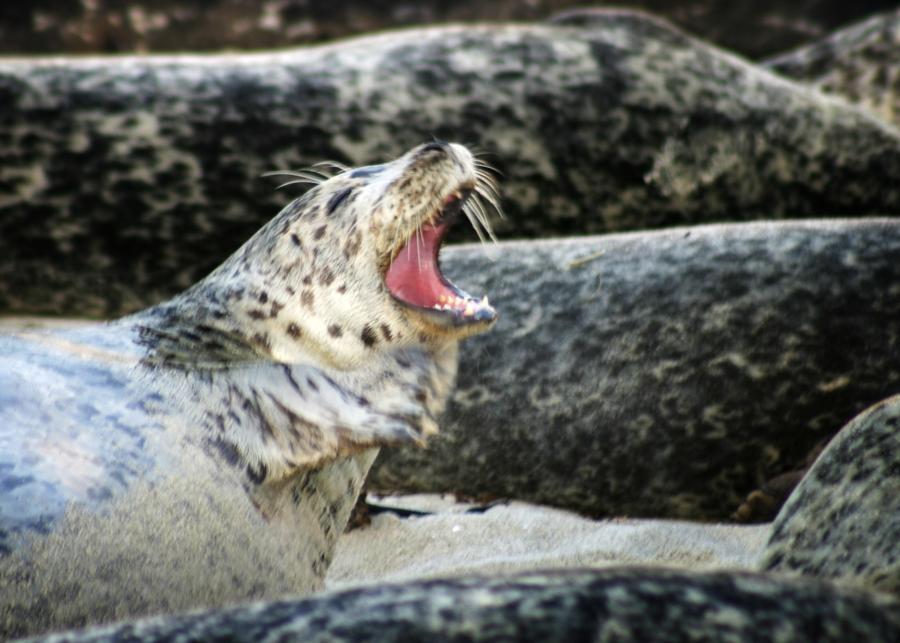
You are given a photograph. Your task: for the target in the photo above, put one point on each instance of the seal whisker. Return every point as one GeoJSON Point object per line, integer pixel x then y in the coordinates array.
{"type": "Point", "coordinates": [334, 165]}
{"type": "Point", "coordinates": [309, 181]}
{"type": "Point", "coordinates": [489, 192]}
{"type": "Point", "coordinates": [480, 214]}
{"type": "Point", "coordinates": [418, 248]}
{"type": "Point", "coordinates": [472, 219]}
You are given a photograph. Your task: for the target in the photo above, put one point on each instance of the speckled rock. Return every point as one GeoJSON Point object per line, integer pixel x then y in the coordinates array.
{"type": "Point", "coordinates": [127, 179]}
{"type": "Point", "coordinates": [843, 521]}
{"type": "Point", "coordinates": [860, 63]}
{"type": "Point", "coordinates": [754, 28]}
{"type": "Point", "coordinates": [666, 373]}
{"type": "Point", "coordinates": [576, 606]}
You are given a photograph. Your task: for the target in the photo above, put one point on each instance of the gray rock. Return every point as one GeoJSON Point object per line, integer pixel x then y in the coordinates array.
{"type": "Point", "coordinates": [754, 28]}
{"type": "Point", "coordinates": [860, 63]}
{"type": "Point", "coordinates": [843, 521]}
{"type": "Point", "coordinates": [615, 604]}
{"type": "Point", "coordinates": [128, 179]}
{"type": "Point", "coordinates": [666, 373]}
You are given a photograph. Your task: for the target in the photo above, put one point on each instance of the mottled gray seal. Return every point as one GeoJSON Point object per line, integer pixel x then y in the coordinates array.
{"type": "Point", "coordinates": [209, 450]}
{"type": "Point", "coordinates": [579, 606]}
{"type": "Point", "coordinates": [128, 179]}
{"type": "Point", "coordinates": [843, 521]}
{"type": "Point", "coordinates": [106, 26]}
{"type": "Point", "coordinates": [664, 374]}
{"type": "Point", "coordinates": [860, 63]}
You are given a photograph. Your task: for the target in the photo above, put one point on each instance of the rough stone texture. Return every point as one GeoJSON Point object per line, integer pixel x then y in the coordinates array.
{"type": "Point", "coordinates": [860, 63]}
{"type": "Point", "coordinates": [127, 179]}
{"type": "Point", "coordinates": [843, 521]}
{"type": "Point", "coordinates": [618, 604]}
{"type": "Point", "coordinates": [752, 27]}
{"type": "Point", "coordinates": [663, 374]}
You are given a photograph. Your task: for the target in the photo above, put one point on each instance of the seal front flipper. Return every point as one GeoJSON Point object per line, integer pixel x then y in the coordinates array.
{"type": "Point", "coordinates": [281, 418]}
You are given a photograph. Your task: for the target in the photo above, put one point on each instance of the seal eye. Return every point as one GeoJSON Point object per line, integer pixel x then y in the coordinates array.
{"type": "Point", "coordinates": [414, 277]}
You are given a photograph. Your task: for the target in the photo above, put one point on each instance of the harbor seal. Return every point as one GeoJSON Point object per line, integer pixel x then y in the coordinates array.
{"type": "Point", "coordinates": [126, 179]}
{"type": "Point", "coordinates": [664, 374]}
{"type": "Point", "coordinates": [209, 450]}
{"type": "Point", "coordinates": [585, 605]}
{"type": "Point", "coordinates": [843, 520]}
{"type": "Point", "coordinates": [860, 63]}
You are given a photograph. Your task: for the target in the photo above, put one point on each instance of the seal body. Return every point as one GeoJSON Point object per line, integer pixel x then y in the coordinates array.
{"type": "Point", "coordinates": [664, 374]}
{"type": "Point", "coordinates": [585, 605]}
{"type": "Point", "coordinates": [860, 63]}
{"type": "Point", "coordinates": [209, 450]}
{"type": "Point", "coordinates": [128, 179]}
{"type": "Point", "coordinates": [843, 520]}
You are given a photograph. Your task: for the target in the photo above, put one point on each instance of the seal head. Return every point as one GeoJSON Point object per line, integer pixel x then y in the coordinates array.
{"type": "Point", "coordinates": [348, 270]}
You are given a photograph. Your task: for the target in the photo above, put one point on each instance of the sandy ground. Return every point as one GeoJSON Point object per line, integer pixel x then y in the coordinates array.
{"type": "Point", "coordinates": [519, 536]}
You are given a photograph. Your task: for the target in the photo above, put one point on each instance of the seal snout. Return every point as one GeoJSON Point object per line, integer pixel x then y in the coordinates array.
{"type": "Point", "coordinates": [414, 276]}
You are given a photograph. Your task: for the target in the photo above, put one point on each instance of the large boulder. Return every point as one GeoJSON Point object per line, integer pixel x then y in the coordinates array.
{"type": "Point", "coordinates": [843, 520]}
{"type": "Point", "coordinates": [127, 179]}
{"type": "Point", "coordinates": [615, 604]}
{"type": "Point", "coordinates": [860, 63]}
{"type": "Point", "coordinates": [663, 374]}
{"type": "Point", "coordinates": [752, 27]}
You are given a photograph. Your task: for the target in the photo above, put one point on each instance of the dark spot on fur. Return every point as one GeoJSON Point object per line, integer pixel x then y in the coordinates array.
{"type": "Point", "coordinates": [312, 384]}
{"type": "Point", "coordinates": [307, 298]}
{"type": "Point", "coordinates": [337, 199]}
{"type": "Point", "coordinates": [296, 240]}
{"type": "Point", "coordinates": [263, 297]}
{"type": "Point", "coordinates": [261, 340]}
{"type": "Point", "coordinates": [294, 330]}
{"type": "Point", "coordinates": [352, 245]}
{"type": "Point", "coordinates": [290, 291]}
{"type": "Point", "coordinates": [257, 476]}
{"type": "Point", "coordinates": [307, 280]}
{"type": "Point", "coordinates": [276, 308]}
{"type": "Point", "coordinates": [227, 450]}
{"type": "Point", "coordinates": [256, 313]}
{"type": "Point", "coordinates": [326, 277]}
{"type": "Point", "coordinates": [386, 331]}
{"type": "Point", "coordinates": [368, 336]}
{"type": "Point", "coordinates": [320, 232]}
{"type": "Point", "coordinates": [342, 288]}
{"type": "Point", "coordinates": [421, 396]}
{"type": "Point", "coordinates": [335, 331]}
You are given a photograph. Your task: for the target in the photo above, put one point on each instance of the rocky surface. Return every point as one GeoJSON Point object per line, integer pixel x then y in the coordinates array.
{"type": "Point", "coordinates": [662, 374]}
{"type": "Point", "coordinates": [127, 179]}
{"type": "Point", "coordinates": [110, 26]}
{"type": "Point", "coordinates": [843, 521]}
{"type": "Point", "coordinates": [619, 604]}
{"type": "Point", "coordinates": [860, 63]}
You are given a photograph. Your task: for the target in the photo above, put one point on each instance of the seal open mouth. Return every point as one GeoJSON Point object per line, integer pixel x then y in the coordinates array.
{"type": "Point", "coordinates": [415, 279]}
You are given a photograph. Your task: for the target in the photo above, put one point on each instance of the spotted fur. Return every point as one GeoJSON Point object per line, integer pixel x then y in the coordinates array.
{"type": "Point", "coordinates": [209, 450]}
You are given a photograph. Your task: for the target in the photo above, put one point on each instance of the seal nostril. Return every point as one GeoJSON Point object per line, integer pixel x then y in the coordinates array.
{"type": "Point", "coordinates": [436, 146]}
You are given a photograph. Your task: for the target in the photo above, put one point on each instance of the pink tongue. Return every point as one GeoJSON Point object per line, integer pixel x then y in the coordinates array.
{"type": "Point", "coordinates": [414, 276]}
